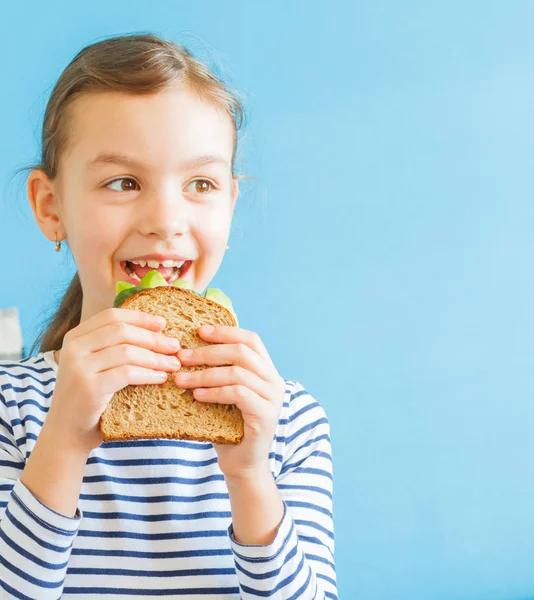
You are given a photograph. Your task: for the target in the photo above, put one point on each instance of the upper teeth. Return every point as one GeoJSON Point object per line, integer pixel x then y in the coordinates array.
{"type": "Point", "coordinates": [155, 264]}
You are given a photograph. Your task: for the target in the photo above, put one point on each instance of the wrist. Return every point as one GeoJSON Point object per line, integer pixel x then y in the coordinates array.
{"type": "Point", "coordinates": [253, 476]}
{"type": "Point", "coordinates": [257, 507]}
{"type": "Point", "coordinates": [54, 471]}
{"type": "Point", "coordinates": [62, 441]}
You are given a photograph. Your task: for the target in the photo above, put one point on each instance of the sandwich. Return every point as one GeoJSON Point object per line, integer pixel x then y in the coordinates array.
{"type": "Point", "coordinates": [167, 410]}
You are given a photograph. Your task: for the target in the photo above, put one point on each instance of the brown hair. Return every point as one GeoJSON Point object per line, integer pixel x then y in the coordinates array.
{"type": "Point", "coordinates": [136, 64]}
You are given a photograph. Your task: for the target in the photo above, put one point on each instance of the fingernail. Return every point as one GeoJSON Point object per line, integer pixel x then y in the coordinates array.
{"type": "Point", "coordinates": [184, 376]}
{"type": "Point", "coordinates": [186, 353]}
{"type": "Point", "coordinates": [207, 328]}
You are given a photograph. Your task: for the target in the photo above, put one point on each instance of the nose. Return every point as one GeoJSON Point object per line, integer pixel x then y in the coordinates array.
{"type": "Point", "coordinates": [164, 212]}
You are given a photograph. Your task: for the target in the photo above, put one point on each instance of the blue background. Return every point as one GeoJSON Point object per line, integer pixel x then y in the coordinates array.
{"type": "Point", "coordinates": [382, 249]}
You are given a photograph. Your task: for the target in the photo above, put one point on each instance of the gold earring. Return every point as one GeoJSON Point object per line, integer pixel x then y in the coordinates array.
{"type": "Point", "coordinates": [57, 247]}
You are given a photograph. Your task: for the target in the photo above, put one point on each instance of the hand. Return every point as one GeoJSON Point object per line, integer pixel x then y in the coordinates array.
{"type": "Point", "coordinates": [251, 383]}
{"type": "Point", "coordinates": [114, 348]}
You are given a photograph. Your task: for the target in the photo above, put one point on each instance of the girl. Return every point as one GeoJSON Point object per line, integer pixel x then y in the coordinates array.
{"type": "Point", "coordinates": [138, 148]}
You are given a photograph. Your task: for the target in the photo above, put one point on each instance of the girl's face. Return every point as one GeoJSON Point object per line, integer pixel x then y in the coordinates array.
{"type": "Point", "coordinates": [145, 175]}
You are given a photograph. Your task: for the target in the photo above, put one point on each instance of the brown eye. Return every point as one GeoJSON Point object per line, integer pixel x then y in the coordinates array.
{"type": "Point", "coordinates": [200, 186]}
{"type": "Point", "coordinates": [127, 185]}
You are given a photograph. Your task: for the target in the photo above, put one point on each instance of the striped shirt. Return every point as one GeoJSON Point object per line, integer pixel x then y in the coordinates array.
{"type": "Point", "coordinates": [153, 517]}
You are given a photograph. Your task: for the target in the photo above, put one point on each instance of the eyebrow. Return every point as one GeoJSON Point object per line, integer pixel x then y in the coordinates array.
{"type": "Point", "coordinates": [109, 158]}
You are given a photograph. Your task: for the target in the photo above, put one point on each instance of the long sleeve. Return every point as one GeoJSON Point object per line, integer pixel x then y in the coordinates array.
{"type": "Point", "coordinates": [299, 563]}
{"type": "Point", "coordinates": [35, 541]}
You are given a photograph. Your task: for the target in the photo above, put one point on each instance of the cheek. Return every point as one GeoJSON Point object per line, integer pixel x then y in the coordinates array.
{"type": "Point", "coordinates": [95, 233]}
{"type": "Point", "coordinates": [213, 227]}
{"type": "Point", "coordinates": [211, 233]}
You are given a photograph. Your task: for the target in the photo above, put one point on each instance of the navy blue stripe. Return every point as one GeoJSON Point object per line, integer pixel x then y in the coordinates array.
{"type": "Point", "coordinates": [155, 499]}
{"type": "Point", "coordinates": [158, 555]}
{"type": "Point", "coordinates": [152, 480]}
{"type": "Point", "coordinates": [174, 535]}
{"type": "Point", "coordinates": [5, 365]}
{"type": "Point", "coordinates": [277, 457]}
{"type": "Point", "coordinates": [158, 443]}
{"type": "Point", "coordinates": [32, 536]}
{"type": "Point", "coordinates": [302, 411]}
{"type": "Point", "coordinates": [315, 526]}
{"type": "Point", "coordinates": [313, 540]}
{"type": "Point", "coordinates": [151, 573]}
{"type": "Point", "coordinates": [130, 462]}
{"type": "Point", "coordinates": [29, 556]}
{"type": "Point", "coordinates": [27, 577]}
{"type": "Point", "coordinates": [292, 578]}
{"type": "Point", "coordinates": [33, 403]}
{"type": "Point", "coordinates": [148, 592]}
{"type": "Point", "coordinates": [11, 464]}
{"type": "Point", "coordinates": [19, 390]}
{"type": "Point", "coordinates": [299, 413]}
{"type": "Point", "coordinates": [23, 440]}
{"type": "Point", "coordinates": [7, 426]}
{"type": "Point", "coordinates": [309, 488]}
{"type": "Point", "coordinates": [308, 427]}
{"type": "Point", "coordinates": [214, 514]}
{"type": "Point", "coordinates": [321, 509]}
{"type": "Point", "coordinates": [326, 578]}
{"type": "Point", "coordinates": [37, 518]}
{"type": "Point", "coordinates": [284, 583]}
{"type": "Point", "coordinates": [13, 403]}
{"type": "Point", "coordinates": [26, 375]}
{"type": "Point", "coordinates": [311, 471]}
{"type": "Point", "coordinates": [268, 574]}
{"type": "Point", "coordinates": [298, 394]}
{"type": "Point", "coordinates": [311, 441]}
{"type": "Point", "coordinates": [27, 418]}
{"type": "Point", "coordinates": [14, 592]}
{"type": "Point", "coordinates": [320, 559]}
{"type": "Point", "coordinates": [303, 587]}
{"type": "Point", "coordinates": [319, 453]}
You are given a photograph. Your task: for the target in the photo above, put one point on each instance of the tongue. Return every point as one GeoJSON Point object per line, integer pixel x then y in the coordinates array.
{"type": "Point", "coordinates": [142, 271]}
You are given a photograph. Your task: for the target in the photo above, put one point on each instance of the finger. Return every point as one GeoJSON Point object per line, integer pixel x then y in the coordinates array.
{"type": "Point", "coordinates": [228, 354]}
{"type": "Point", "coordinates": [115, 379]}
{"type": "Point", "coordinates": [121, 332]}
{"type": "Point", "coordinates": [219, 376]}
{"type": "Point", "coordinates": [244, 398]}
{"type": "Point", "coordinates": [114, 315]}
{"type": "Point", "coordinates": [128, 354]}
{"type": "Point", "coordinates": [232, 335]}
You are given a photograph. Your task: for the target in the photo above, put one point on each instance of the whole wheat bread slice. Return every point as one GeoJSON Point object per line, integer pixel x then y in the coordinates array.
{"type": "Point", "coordinates": [166, 410]}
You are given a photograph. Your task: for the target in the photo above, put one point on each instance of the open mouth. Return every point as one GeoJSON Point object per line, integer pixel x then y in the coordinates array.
{"type": "Point", "coordinates": [135, 272]}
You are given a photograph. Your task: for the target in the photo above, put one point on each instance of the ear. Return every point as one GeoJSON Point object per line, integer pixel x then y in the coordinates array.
{"type": "Point", "coordinates": [43, 201]}
{"type": "Point", "coordinates": [235, 190]}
